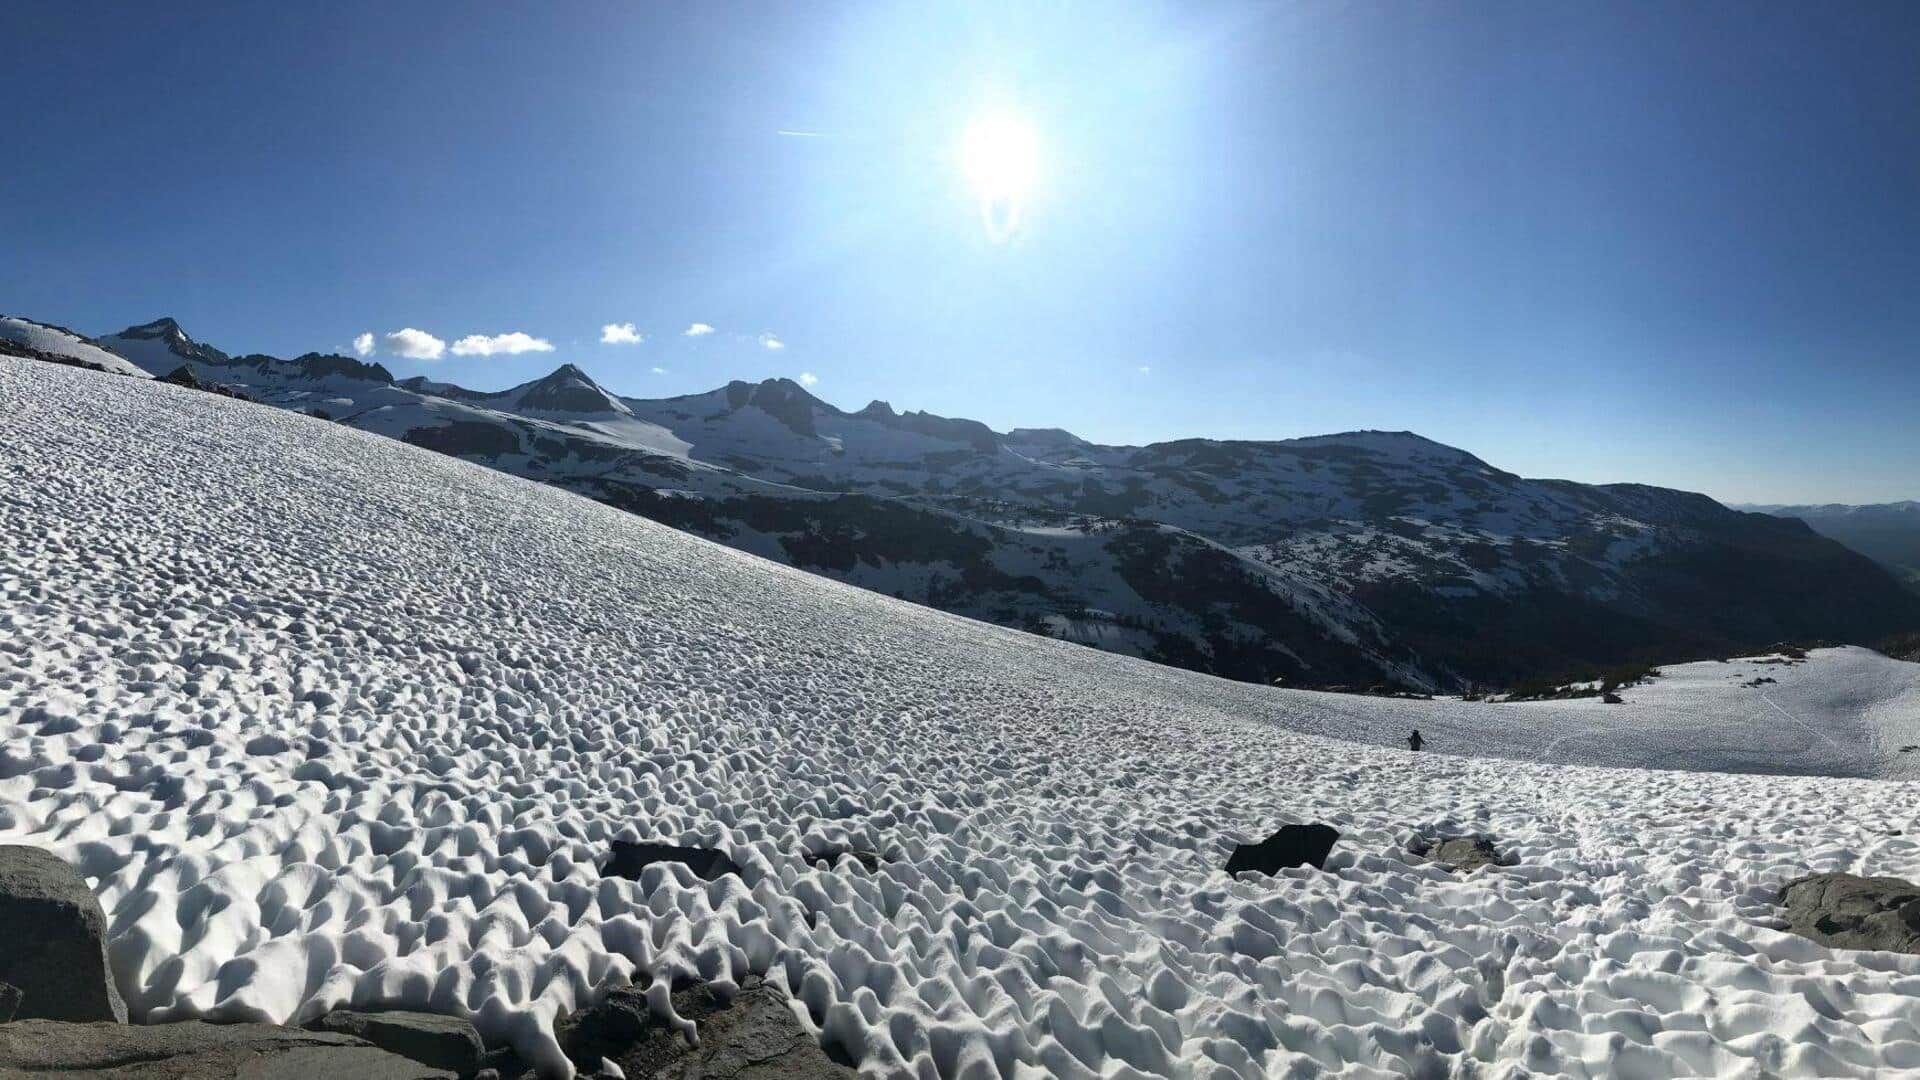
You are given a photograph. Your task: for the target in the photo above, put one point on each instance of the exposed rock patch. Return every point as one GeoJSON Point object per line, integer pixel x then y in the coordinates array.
{"type": "Point", "coordinates": [444, 1042]}
{"type": "Point", "coordinates": [196, 1051]}
{"type": "Point", "coordinates": [1293, 845]}
{"type": "Point", "coordinates": [630, 857]}
{"type": "Point", "coordinates": [1459, 853]}
{"type": "Point", "coordinates": [755, 1036]}
{"type": "Point", "coordinates": [1847, 911]}
{"type": "Point", "coordinates": [53, 940]}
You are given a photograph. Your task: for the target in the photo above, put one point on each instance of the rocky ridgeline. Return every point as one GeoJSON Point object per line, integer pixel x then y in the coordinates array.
{"type": "Point", "coordinates": [61, 1014]}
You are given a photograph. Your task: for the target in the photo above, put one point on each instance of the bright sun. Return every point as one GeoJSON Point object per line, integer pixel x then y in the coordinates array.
{"type": "Point", "coordinates": [1001, 158]}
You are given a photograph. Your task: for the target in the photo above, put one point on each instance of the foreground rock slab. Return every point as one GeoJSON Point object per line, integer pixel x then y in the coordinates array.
{"type": "Point", "coordinates": [53, 940]}
{"type": "Point", "coordinates": [194, 1051]}
{"type": "Point", "coordinates": [753, 1037]}
{"type": "Point", "coordinates": [1847, 911]}
{"type": "Point", "coordinates": [445, 1042]}
{"type": "Point", "coordinates": [1293, 845]}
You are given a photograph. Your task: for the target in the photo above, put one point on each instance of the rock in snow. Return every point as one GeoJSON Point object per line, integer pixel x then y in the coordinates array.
{"type": "Point", "coordinates": [1293, 845]}
{"type": "Point", "coordinates": [1847, 911]}
{"type": "Point", "coordinates": [196, 1051]}
{"type": "Point", "coordinates": [629, 858]}
{"type": "Point", "coordinates": [754, 1034]}
{"type": "Point", "coordinates": [445, 1042]}
{"type": "Point", "coordinates": [53, 939]}
{"type": "Point", "coordinates": [1461, 853]}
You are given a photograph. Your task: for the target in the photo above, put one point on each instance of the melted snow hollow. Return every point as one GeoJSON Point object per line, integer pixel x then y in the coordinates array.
{"type": "Point", "coordinates": [327, 719]}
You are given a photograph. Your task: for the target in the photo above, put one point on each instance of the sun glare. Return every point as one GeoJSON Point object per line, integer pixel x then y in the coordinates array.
{"type": "Point", "coordinates": [1001, 158]}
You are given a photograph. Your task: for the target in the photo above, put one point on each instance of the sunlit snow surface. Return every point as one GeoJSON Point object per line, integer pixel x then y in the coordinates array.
{"type": "Point", "coordinates": [330, 719]}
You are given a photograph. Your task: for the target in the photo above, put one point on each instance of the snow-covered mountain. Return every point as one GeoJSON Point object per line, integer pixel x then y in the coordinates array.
{"type": "Point", "coordinates": [326, 720]}
{"type": "Point", "coordinates": [1886, 532]}
{"type": "Point", "coordinates": [1358, 558]}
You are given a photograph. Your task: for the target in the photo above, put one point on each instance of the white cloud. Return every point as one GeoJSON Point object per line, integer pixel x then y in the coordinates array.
{"type": "Point", "coordinates": [511, 343]}
{"type": "Point", "coordinates": [415, 344]}
{"type": "Point", "coordinates": [698, 329]}
{"type": "Point", "coordinates": [771, 342]}
{"type": "Point", "coordinates": [363, 344]}
{"type": "Point", "coordinates": [659, 371]}
{"type": "Point", "coordinates": [620, 333]}
{"type": "Point", "coordinates": [1144, 370]}
{"type": "Point", "coordinates": [808, 378]}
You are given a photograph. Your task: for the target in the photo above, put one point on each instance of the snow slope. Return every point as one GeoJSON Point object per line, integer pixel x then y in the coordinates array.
{"type": "Point", "coordinates": [327, 718]}
{"type": "Point", "coordinates": [1840, 712]}
{"type": "Point", "coordinates": [61, 345]}
{"type": "Point", "coordinates": [1362, 558]}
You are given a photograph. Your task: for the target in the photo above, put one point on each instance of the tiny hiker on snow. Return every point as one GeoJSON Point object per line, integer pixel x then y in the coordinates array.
{"type": "Point", "coordinates": [1414, 740]}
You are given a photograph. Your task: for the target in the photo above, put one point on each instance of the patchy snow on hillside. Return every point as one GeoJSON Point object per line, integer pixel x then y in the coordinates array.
{"type": "Point", "coordinates": [330, 719]}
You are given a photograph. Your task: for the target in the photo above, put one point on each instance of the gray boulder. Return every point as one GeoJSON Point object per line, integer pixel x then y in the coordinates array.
{"type": "Point", "coordinates": [445, 1042]}
{"type": "Point", "coordinates": [1465, 853]}
{"type": "Point", "coordinates": [194, 1051]}
{"type": "Point", "coordinates": [53, 940]}
{"type": "Point", "coordinates": [1847, 911]}
{"type": "Point", "coordinates": [753, 1037]}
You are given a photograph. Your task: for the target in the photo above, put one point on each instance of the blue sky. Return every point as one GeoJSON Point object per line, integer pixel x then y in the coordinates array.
{"type": "Point", "coordinates": [1675, 244]}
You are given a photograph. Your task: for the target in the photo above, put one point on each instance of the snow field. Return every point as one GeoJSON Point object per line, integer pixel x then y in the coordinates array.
{"type": "Point", "coordinates": [1841, 712]}
{"type": "Point", "coordinates": [329, 719]}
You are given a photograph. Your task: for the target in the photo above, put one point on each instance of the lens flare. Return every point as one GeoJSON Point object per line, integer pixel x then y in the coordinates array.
{"type": "Point", "coordinates": [1000, 155]}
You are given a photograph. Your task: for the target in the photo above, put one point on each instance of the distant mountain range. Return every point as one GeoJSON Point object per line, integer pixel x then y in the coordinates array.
{"type": "Point", "coordinates": [1886, 532]}
{"type": "Point", "coordinates": [1363, 558]}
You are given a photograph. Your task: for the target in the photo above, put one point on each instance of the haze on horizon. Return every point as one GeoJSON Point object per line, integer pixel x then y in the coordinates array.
{"type": "Point", "coordinates": [1622, 242]}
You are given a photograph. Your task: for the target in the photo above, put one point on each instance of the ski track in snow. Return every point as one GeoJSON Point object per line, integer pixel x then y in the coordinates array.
{"type": "Point", "coordinates": [328, 720]}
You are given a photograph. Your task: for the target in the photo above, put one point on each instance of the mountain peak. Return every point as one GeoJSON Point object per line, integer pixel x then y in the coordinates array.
{"type": "Point", "coordinates": [1389, 444]}
{"type": "Point", "coordinates": [161, 345]}
{"type": "Point", "coordinates": [781, 398]}
{"type": "Point", "coordinates": [162, 327]}
{"type": "Point", "coordinates": [567, 371]}
{"type": "Point", "coordinates": [567, 389]}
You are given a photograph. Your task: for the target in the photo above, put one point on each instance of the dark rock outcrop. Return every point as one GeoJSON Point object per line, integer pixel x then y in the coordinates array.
{"type": "Point", "coordinates": [630, 857]}
{"type": "Point", "coordinates": [184, 376]}
{"type": "Point", "coordinates": [194, 1051]}
{"type": "Point", "coordinates": [1293, 845]}
{"type": "Point", "coordinates": [53, 944]}
{"type": "Point", "coordinates": [466, 438]}
{"type": "Point", "coordinates": [971, 432]}
{"type": "Point", "coordinates": [756, 1035]}
{"type": "Point", "coordinates": [1847, 911]}
{"type": "Point", "coordinates": [782, 399]}
{"type": "Point", "coordinates": [444, 1042]}
{"type": "Point", "coordinates": [332, 365]}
